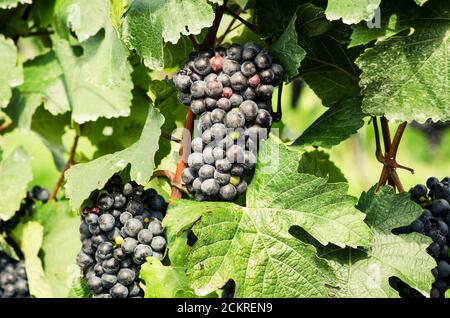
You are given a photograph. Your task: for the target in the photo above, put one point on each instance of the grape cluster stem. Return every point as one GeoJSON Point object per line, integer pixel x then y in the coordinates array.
{"type": "Point", "coordinates": [70, 162]}
{"type": "Point", "coordinates": [389, 174]}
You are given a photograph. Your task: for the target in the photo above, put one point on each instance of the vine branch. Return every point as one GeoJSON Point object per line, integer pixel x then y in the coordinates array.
{"type": "Point", "coordinates": [250, 26]}
{"type": "Point", "coordinates": [70, 162]}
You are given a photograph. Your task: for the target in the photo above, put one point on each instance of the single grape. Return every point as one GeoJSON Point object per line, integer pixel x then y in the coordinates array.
{"type": "Point", "coordinates": [132, 227]}
{"type": "Point", "coordinates": [198, 106]}
{"type": "Point", "coordinates": [218, 115]}
{"type": "Point", "coordinates": [224, 79]}
{"type": "Point", "coordinates": [210, 103]}
{"type": "Point", "coordinates": [195, 160]}
{"type": "Point", "coordinates": [182, 82]}
{"type": "Point", "coordinates": [111, 265]}
{"type": "Point", "coordinates": [188, 175]}
{"type": "Point", "coordinates": [210, 187]}
{"type": "Point", "coordinates": [249, 109]}
{"type": "Point", "coordinates": [254, 81]}
{"type": "Point", "coordinates": [127, 189]}
{"type": "Point", "coordinates": [145, 236]}
{"type": "Point", "coordinates": [264, 91]}
{"type": "Point", "coordinates": [91, 219]}
{"type": "Point", "coordinates": [236, 100]}
{"type": "Point", "coordinates": [248, 68]}
{"type": "Point", "coordinates": [202, 65]}
{"type": "Point", "coordinates": [214, 89]}
{"type": "Point", "coordinates": [210, 77]}
{"type": "Point", "coordinates": [249, 93]}
{"type": "Point", "coordinates": [228, 192]}
{"type": "Point", "coordinates": [218, 153]}
{"type": "Point", "coordinates": [238, 81]}
{"type": "Point", "coordinates": [196, 185]}
{"type": "Point", "coordinates": [219, 130]}
{"type": "Point", "coordinates": [156, 227]}
{"type": "Point", "coordinates": [126, 276]}
{"type": "Point", "coordinates": [267, 76]}
{"type": "Point", "coordinates": [135, 207]}
{"type": "Point", "coordinates": [205, 121]}
{"type": "Point", "coordinates": [216, 63]}
{"type": "Point", "coordinates": [235, 154]}
{"type": "Point", "coordinates": [235, 119]}
{"type": "Point", "coordinates": [207, 138]}
{"type": "Point", "coordinates": [105, 201]}
{"type": "Point", "coordinates": [263, 60]}
{"type": "Point", "coordinates": [106, 222]}
{"type": "Point", "coordinates": [237, 169]}
{"type": "Point", "coordinates": [108, 280]}
{"type": "Point", "coordinates": [263, 118]}
{"type": "Point", "coordinates": [234, 52]}
{"type": "Point", "coordinates": [105, 249]}
{"type": "Point", "coordinates": [119, 254]}
{"type": "Point", "coordinates": [141, 252]}
{"type": "Point", "coordinates": [223, 165]}
{"type": "Point", "coordinates": [198, 89]}
{"type": "Point", "coordinates": [221, 178]}
{"type": "Point", "coordinates": [227, 92]}
{"type": "Point", "coordinates": [119, 291]}
{"type": "Point", "coordinates": [84, 260]}
{"type": "Point", "coordinates": [94, 229]}
{"type": "Point", "coordinates": [230, 67]}
{"type": "Point", "coordinates": [224, 104]}
{"type": "Point", "coordinates": [128, 245]}
{"type": "Point", "coordinates": [158, 243]}
{"type": "Point", "coordinates": [207, 171]}
{"type": "Point", "coordinates": [95, 284]}
{"type": "Point", "coordinates": [241, 188]}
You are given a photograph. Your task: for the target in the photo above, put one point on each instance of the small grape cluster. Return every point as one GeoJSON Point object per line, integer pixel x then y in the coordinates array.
{"type": "Point", "coordinates": [231, 90]}
{"type": "Point", "coordinates": [118, 233]}
{"type": "Point", "coordinates": [13, 278]}
{"type": "Point", "coordinates": [434, 223]}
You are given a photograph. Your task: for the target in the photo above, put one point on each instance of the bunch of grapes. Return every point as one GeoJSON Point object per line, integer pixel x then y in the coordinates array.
{"type": "Point", "coordinates": [13, 278]}
{"type": "Point", "coordinates": [434, 223]}
{"type": "Point", "coordinates": [118, 233]}
{"type": "Point", "coordinates": [231, 91]}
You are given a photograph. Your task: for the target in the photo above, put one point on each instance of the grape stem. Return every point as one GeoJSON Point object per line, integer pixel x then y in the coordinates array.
{"type": "Point", "coordinates": [389, 173]}
{"type": "Point", "coordinates": [277, 115]}
{"type": "Point", "coordinates": [194, 41]}
{"type": "Point", "coordinates": [229, 28]}
{"type": "Point", "coordinates": [169, 137]}
{"type": "Point", "coordinates": [242, 20]}
{"type": "Point", "coordinates": [70, 162]}
{"type": "Point", "coordinates": [209, 41]}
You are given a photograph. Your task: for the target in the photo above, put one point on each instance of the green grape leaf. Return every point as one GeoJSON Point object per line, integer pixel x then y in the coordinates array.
{"type": "Point", "coordinates": [328, 67]}
{"type": "Point", "coordinates": [333, 126]}
{"type": "Point", "coordinates": [287, 52]}
{"type": "Point", "coordinates": [351, 11]}
{"type": "Point", "coordinates": [84, 17]}
{"type": "Point", "coordinates": [396, 17]}
{"type": "Point", "coordinates": [10, 71]}
{"type": "Point", "coordinates": [15, 174]}
{"type": "Point", "coordinates": [61, 233]}
{"type": "Point", "coordinates": [273, 16]}
{"type": "Point", "coordinates": [94, 174]}
{"type": "Point", "coordinates": [10, 4]}
{"type": "Point", "coordinates": [318, 163]}
{"type": "Point", "coordinates": [163, 21]}
{"type": "Point", "coordinates": [79, 289]}
{"type": "Point", "coordinates": [7, 249]}
{"type": "Point", "coordinates": [90, 79]}
{"type": "Point", "coordinates": [43, 84]}
{"type": "Point", "coordinates": [29, 237]}
{"type": "Point", "coordinates": [366, 273]}
{"type": "Point", "coordinates": [252, 245]}
{"type": "Point", "coordinates": [402, 77]}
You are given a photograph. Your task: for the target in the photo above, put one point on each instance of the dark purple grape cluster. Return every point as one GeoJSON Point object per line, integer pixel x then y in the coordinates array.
{"type": "Point", "coordinates": [434, 223]}
{"type": "Point", "coordinates": [230, 90]}
{"type": "Point", "coordinates": [118, 232]}
{"type": "Point", "coordinates": [13, 278]}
